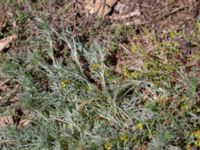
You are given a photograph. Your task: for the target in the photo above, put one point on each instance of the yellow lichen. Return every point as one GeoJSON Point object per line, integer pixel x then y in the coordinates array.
{"type": "Point", "coordinates": [108, 146]}
{"type": "Point", "coordinates": [188, 147]}
{"type": "Point", "coordinates": [95, 67]}
{"type": "Point", "coordinates": [185, 106]}
{"type": "Point", "coordinates": [196, 134]}
{"type": "Point", "coordinates": [123, 137]}
{"type": "Point", "coordinates": [64, 83]}
{"type": "Point", "coordinates": [140, 126]}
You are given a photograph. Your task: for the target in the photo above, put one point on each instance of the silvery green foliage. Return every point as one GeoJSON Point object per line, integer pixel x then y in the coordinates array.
{"type": "Point", "coordinates": [74, 113]}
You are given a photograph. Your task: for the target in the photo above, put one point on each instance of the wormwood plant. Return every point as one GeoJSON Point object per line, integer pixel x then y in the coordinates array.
{"type": "Point", "coordinates": [77, 110]}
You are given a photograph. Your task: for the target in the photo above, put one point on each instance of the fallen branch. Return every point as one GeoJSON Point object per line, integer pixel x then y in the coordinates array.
{"type": "Point", "coordinates": [4, 43]}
